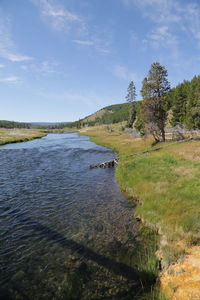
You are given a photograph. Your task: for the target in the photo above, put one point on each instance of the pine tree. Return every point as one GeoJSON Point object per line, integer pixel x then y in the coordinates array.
{"type": "Point", "coordinates": [193, 105]}
{"type": "Point", "coordinates": [155, 87]}
{"type": "Point", "coordinates": [179, 104]}
{"type": "Point", "coordinates": [130, 98]}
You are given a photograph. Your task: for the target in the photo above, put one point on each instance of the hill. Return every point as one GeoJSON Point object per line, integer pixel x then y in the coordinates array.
{"type": "Point", "coordinates": [107, 115]}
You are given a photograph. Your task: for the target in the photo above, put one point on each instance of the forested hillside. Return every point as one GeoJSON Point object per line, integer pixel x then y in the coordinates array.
{"type": "Point", "coordinates": [13, 124]}
{"type": "Point", "coordinates": [107, 115]}
{"type": "Point", "coordinates": [182, 103]}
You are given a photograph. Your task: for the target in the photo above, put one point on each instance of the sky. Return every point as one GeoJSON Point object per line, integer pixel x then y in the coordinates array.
{"type": "Point", "coordinates": [61, 60]}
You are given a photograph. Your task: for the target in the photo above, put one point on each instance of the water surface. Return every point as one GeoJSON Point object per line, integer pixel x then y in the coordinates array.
{"type": "Point", "coordinates": [66, 231]}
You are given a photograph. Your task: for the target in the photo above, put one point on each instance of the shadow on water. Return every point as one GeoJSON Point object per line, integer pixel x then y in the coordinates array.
{"type": "Point", "coordinates": [141, 281]}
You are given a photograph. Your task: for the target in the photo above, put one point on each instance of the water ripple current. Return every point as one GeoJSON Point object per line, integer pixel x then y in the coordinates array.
{"type": "Point", "coordinates": [65, 230]}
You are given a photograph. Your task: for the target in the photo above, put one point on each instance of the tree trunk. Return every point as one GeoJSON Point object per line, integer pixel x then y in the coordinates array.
{"type": "Point", "coordinates": [163, 134]}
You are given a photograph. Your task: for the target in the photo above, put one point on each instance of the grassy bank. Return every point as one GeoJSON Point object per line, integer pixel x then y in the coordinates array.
{"type": "Point", "coordinates": [165, 184]}
{"type": "Point", "coordinates": [19, 135]}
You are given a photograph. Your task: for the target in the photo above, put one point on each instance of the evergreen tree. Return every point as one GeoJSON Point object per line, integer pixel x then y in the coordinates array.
{"type": "Point", "coordinates": [139, 122]}
{"type": "Point", "coordinates": [193, 105]}
{"type": "Point", "coordinates": [155, 87]}
{"type": "Point", "coordinates": [179, 103]}
{"type": "Point", "coordinates": [130, 98]}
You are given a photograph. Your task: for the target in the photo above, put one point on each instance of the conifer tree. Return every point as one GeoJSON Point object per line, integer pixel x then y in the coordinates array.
{"type": "Point", "coordinates": [130, 98]}
{"type": "Point", "coordinates": [179, 104]}
{"type": "Point", "coordinates": [193, 104]}
{"type": "Point", "coordinates": [155, 87]}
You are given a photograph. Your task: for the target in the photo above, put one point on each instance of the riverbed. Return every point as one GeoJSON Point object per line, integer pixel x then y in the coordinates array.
{"type": "Point", "coordinates": [66, 231]}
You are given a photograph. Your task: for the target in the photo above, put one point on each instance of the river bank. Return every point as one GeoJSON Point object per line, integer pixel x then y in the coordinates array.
{"type": "Point", "coordinates": [8, 136]}
{"type": "Point", "coordinates": [165, 184]}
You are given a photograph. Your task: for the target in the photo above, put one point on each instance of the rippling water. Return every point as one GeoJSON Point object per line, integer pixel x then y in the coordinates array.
{"type": "Point", "coordinates": [66, 231]}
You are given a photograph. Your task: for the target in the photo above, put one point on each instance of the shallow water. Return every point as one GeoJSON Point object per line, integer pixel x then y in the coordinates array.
{"type": "Point", "coordinates": [66, 231]}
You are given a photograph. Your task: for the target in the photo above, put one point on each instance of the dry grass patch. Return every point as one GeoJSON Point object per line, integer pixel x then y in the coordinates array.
{"type": "Point", "coordinates": [19, 135]}
{"type": "Point", "coordinates": [185, 171]}
{"type": "Point", "coordinates": [189, 150]}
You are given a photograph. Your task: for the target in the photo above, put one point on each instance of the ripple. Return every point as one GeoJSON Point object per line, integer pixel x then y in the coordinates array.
{"type": "Point", "coordinates": [56, 213]}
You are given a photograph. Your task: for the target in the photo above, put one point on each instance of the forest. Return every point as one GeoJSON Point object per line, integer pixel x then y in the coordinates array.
{"type": "Point", "coordinates": [13, 124]}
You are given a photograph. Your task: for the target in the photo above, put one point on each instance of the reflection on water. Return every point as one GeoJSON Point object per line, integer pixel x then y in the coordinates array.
{"type": "Point", "coordinates": [66, 231]}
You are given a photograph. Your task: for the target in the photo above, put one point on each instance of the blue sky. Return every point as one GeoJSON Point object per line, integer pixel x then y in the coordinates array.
{"type": "Point", "coordinates": [61, 60]}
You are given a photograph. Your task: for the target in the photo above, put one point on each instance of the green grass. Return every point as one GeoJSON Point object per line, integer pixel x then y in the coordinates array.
{"type": "Point", "coordinates": [169, 198]}
{"type": "Point", "coordinates": [165, 183]}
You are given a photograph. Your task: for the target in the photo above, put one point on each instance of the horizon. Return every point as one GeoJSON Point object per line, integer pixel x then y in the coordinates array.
{"type": "Point", "coordinates": [64, 61]}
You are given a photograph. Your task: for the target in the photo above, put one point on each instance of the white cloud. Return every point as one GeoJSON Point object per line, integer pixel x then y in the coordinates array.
{"type": "Point", "coordinates": [7, 46]}
{"type": "Point", "coordinates": [57, 16]}
{"type": "Point", "coordinates": [179, 17]}
{"type": "Point", "coordinates": [99, 45]}
{"type": "Point", "coordinates": [45, 67]}
{"type": "Point", "coordinates": [10, 79]}
{"type": "Point", "coordinates": [160, 11]}
{"type": "Point", "coordinates": [122, 72]}
{"type": "Point", "coordinates": [162, 37]}
{"type": "Point", "coordinates": [14, 57]}
{"type": "Point", "coordinates": [2, 66]}
{"type": "Point", "coordinates": [193, 20]}
{"type": "Point", "coordinates": [84, 43]}
{"type": "Point", "coordinates": [48, 67]}
{"type": "Point", "coordinates": [61, 19]}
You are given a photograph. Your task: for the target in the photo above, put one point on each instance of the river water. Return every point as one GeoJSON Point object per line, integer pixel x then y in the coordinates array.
{"type": "Point", "coordinates": [66, 231]}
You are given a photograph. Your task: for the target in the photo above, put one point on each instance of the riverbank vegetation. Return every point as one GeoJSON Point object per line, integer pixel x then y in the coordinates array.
{"type": "Point", "coordinates": [19, 135]}
{"type": "Point", "coordinates": [165, 185]}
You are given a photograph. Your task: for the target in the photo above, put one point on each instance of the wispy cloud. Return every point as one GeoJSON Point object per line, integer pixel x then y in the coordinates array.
{"type": "Point", "coordinates": [84, 43]}
{"type": "Point", "coordinates": [178, 17]}
{"type": "Point", "coordinates": [10, 79]}
{"type": "Point", "coordinates": [2, 66]}
{"type": "Point", "coordinates": [160, 11]}
{"type": "Point", "coordinates": [122, 72]}
{"type": "Point", "coordinates": [8, 49]}
{"type": "Point", "coordinates": [193, 20]}
{"type": "Point", "coordinates": [63, 20]}
{"type": "Point", "coordinates": [57, 16]}
{"type": "Point", "coordinates": [46, 67]}
{"type": "Point", "coordinates": [162, 37]}
{"type": "Point", "coordinates": [97, 44]}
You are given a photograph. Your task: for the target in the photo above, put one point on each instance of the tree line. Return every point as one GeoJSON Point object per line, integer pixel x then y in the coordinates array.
{"type": "Point", "coordinates": [13, 124]}
{"type": "Point", "coordinates": [183, 102]}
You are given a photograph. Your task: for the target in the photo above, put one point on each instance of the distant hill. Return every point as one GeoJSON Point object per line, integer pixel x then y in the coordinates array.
{"type": "Point", "coordinates": [33, 125]}
{"type": "Point", "coordinates": [107, 115]}
{"type": "Point", "coordinates": [13, 124]}
{"type": "Point", "coordinates": [44, 125]}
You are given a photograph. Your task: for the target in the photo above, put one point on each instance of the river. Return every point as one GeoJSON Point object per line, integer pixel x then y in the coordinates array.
{"type": "Point", "coordinates": [66, 231]}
